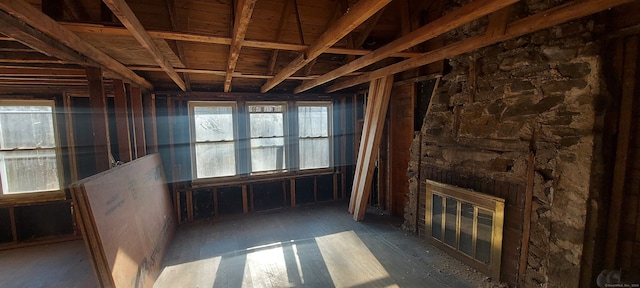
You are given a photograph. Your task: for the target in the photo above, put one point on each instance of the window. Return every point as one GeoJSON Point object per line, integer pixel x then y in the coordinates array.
{"type": "Point", "coordinates": [213, 138]}
{"type": "Point", "coordinates": [245, 138]}
{"type": "Point", "coordinates": [266, 124]}
{"type": "Point", "coordinates": [313, 136]}
{"type": "Point", "coordinates": [467, 223]}
{"type": "Point", "coordinates": [29, 158]}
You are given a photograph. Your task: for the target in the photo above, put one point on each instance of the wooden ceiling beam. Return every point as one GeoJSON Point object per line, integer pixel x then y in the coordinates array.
{"type": "Point", "coordinates": [284, 18]}
{"type": "Point", "coordinates": [209, 39]}
{"type": "Point", "coordinates": [368, 28]}
{"type": "Point", "coordinates": [171, 7]}
{"type": "Point", "coordinates": [41, 72]}
{"type": "Point", "coordinates": [124, 13]}
{"type": "Point", "coordinates": [38, 20]}
{"type": "Point", "coordinates": [359, 13]}
{"type": "Point", "coordinates": [448, 22]}
{"type": "Point", "coordinates": [223, 73]}
{"type": "Point", "coordinates": [244, 10]}
{"type": "Point", "coordinates": [554, 16]}
{"type": "Point", "coordinates": [36, 40]}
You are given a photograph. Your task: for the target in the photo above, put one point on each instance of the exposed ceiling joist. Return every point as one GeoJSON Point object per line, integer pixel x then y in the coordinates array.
{"type": "Point", "coordinates": [244, 10]}
{"type": "Point", "coordinates": [448, 22]}
{"type": "Point", "coordinates": [171, 7]}
{"type": "Point", "coordinates": [284, 18]}
{"type": "Point", "coordinates": [38, 20]}
{"type": "Point", "coordinates": [554, 16]}
{"type": "Point", "coordinates": [223, 73]}
{"type": "Point", "coordinates": [202, 38]}
{"type": "Point", "coordinates": [359, 13]}
{"type": "Point", "coordinates": [121, 10]}
{"type": "Point", "coordinates": [35, 39]}
{"type": "Point", "coordinates": [371, 23]}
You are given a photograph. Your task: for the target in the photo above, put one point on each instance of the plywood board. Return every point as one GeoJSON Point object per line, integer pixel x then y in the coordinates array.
{"type": "Point", "coordinates": [127, 221]}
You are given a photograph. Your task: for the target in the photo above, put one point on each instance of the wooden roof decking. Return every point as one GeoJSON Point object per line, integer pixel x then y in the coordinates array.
{"type": "Point", "coordinates": [195, 38]}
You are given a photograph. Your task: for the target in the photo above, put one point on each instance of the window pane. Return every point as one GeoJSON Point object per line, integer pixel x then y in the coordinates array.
{"type": "Point", "coordinates": [483, 243]}
{"type": "Point", "coordinates": [314, 153]}
{"type": "Point", "coordinates": [313, 121]}
{"type": "Point", "coordinates": [436, 218]}
{"type": "Point", "coordinates": [26, 127]}
{"type": "Point", "coordinates": [215, 160]}
{"type": "Point", "coordinates": [266, 124]}
{"type": "Point", "coordinates": [267, 154]}
{"type": "Point", "coordinates": [213, 123]}
{"type": "Point", "coordinates": [466, 228]}
{"type": "Point", "coordinates": [451, 222]}
{"type": "Point", "coordinates": [29, 171]}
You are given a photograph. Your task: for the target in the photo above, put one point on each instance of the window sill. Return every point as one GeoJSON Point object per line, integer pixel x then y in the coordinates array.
{"type": "Point", "coordinates": [258, 177]}
{"type": "Point", "coordinates": [31, 198]}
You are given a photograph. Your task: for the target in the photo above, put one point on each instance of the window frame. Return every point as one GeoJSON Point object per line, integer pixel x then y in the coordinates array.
{"type": "Point", "coordinates": [329, 137]}
{"type": "Point", "coordinates": [40, 195]}
{"type": "Point", "coordinates": [285, 136]}
{"type": "Point", "coordinates": [192, 137]}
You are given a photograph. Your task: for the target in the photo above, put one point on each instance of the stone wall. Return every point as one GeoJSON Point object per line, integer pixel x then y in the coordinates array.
{"type": "Point", "coordinates": [535, 93]}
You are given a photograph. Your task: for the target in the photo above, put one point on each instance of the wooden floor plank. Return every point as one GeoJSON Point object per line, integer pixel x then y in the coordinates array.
{"type": "Point", "coordinates": [311, 246]}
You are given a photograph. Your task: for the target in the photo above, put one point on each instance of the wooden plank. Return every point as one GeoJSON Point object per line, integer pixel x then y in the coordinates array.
{"type": "Point", "coordinates": [68, 117]}
{"type": "Point", "coordinates": [448, 22]}
{"type": "Point", "coordinates": [244, 10]}
{"type": "Point", "coordinates": [380, 91]}
{"type": "Point", "coordinates": [359, 13]}
{"type": "Point", "coordinates": [293, 192]}
{"type": "Point", "coordinates": [151, 126]}
{"type": "Point", "coordinates": [137, 114]}
{"type": "Point", "coordinates": [98, 105]}
{"type": "Point", "coordinates": [38, 20]}
{"type": "Point", "coordinates": [121, 10]}
{"type": "Point", "coordinates": [210, 39]}
{"type": "Point", "coordinates": [539, 21]}
{"type": "Point", "coordinates": [14, 228]}
{"type": "Point", "coordinates": [245, 200]}
{"type": "Point", "coordinates": [622, 149]}
{"type": "Point", "coordinates": [41, 72]}
{"type": "Point", "coordinates": [131, 221]}
{"type": "Point", "coordinates": [122, 121]}
{"type": "Point", "coordinates": [526, 229]}
{"type": "Point", "coordinates": [361, 147]}
{"type": "Point", "coordinates": [189, 204]}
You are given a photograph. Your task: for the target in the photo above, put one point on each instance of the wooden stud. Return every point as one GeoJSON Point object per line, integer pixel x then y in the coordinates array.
{"type": "Point", "coordinates": [98, 105]}
{"type": "Point", "coordinates": [121, 10]}
{"type": "Point", "coordinates": [465, 14]}
{"type": "Point", "coordinates": [189, 196]}
{"type": "Point", "coordinates": [245, 200]}
{"type": "Point", "coordinates": [359, 13]}
{"type": "Point", "coordinates": [176, 203]}
{"type": "Point", "coordinates": [38, 20]}
{"type": "Point", "coordinates": [68, 117]}
{"type": "Point", "coordinates": [244, 10]}
{"type": "Point", "coordinates": [624, 136]}
{"type": "Point", "coordinates": [14, 228]}
{"type": "Point", "coordinates": [216, 205]}
{"type": "Point", "coordinates": [151, 126]}
{"type": "Point", "coordinates": [335, 186]}
{"type": "Point", "coordinates": [315, 188]}
{"type": "Point", "coordinates": [539, 21]}
{"type": "Point", "coordinates": [293, 192]}
{"type": "Point", "coordinates": [137, 115]}
{"type": "Point", "coordinates": [122, 121]}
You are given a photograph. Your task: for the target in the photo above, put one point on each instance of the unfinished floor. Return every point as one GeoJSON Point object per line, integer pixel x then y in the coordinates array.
{"type": "Point", "coordinates": [312, 246]}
